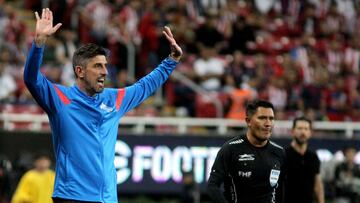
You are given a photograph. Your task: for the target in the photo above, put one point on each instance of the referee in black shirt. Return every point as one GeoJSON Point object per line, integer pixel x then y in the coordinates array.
{"type": "Point", "coordinates": [249, 166]}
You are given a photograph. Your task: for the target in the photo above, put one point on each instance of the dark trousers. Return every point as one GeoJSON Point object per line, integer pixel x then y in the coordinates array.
{"type": "Point", "coordinates": [60, 200]}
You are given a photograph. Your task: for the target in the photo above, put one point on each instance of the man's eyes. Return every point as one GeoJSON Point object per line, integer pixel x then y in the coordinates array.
{"type": "Point", "coordinates": [98, 66]}
{"type": "Point", "coordinates": [264, 118]}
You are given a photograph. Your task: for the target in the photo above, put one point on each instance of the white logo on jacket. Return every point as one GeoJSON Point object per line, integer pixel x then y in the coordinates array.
{"type": "Point", "coordinates": [245, 174]}
{"type": "Point", "coordinates": [106, 108]}
{"type": "Point", "coordinates": [246, 157]}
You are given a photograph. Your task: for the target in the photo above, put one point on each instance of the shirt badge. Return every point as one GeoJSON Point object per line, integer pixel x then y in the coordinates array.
{"type": "Point", "coordinates": [106, 108]}
{"type": "Point", "coordinates": [274, 177]}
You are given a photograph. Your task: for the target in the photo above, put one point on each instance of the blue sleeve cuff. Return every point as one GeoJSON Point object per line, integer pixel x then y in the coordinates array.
{"type": "Point", "coordinates": [37, 49]}
{"type": "Point", "coordinates": [171, 60]}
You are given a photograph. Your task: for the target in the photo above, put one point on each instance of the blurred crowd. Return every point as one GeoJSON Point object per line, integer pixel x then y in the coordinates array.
{"type": "Point", "coordinates": [302, 55]}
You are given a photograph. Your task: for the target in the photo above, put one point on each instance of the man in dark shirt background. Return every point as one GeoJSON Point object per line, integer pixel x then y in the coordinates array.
{"type": "Point", "coordinates": [347, 177]}
{"type": "Point", "coordinates": [249, 166]}
{"type": "Point", "coordinates": [302, 167]}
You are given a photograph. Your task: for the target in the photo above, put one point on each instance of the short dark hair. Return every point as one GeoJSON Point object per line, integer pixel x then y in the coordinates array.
{"type": "Point", "coordinates": [301, 118]}
{"type": "Point", "coordinates": [252, 107]}
{"type": "Point", "coordinates": [86, 52]}
{"type": "Point", "coordinates": [42, 155]}
{"type": "Point", "coordinates": [347, 148]}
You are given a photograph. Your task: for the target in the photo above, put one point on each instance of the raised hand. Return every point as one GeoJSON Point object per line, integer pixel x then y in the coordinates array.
{"type": "Point", "coordinates": [44, 26]}
{"type": "Point", "coordinates": [176, 51]}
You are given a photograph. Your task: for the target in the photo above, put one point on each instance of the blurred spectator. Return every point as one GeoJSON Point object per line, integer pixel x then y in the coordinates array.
{"type": "Point", "coordinates": [258, 70]}
{"type": "Point", "coordinates": [292, 10]}
{"type": "Point", "coordinates": [128, 19]}
{"type": "Point", "coordinates": [50, 57]}
{"type": "Point", "coordinates": [64, 12]}
{"type": "Point", "coordinates": [209, 69]}
{"type": "Point", "coordinates": [347, 178]}
{"type": "Point", "coordinates": [293, 80]}
{"type": "Point", "coordinates": [301, 55]}
{"type": "Point", "coordinates": [210, 5]}
{"type": "Point", "coordinates": [7, 84]}
{"type": "Point", "coordinates": [14, 28]}
{"type": "Point", "coordinates": [227, 16]}
{"type": "Point", "coordinates": [308, 22]}
{"type": "Point", "coordinates": [150, 34]}
{"type": "Point", "coordinates": [277, 94]}
{"type": "Point", "coordinates": [95, 16]}
{"type": "Point", "coordinates": [242, 33]}
{"type": "Point", "coordinates": [336, 99]}
{"type": "Point", "coordinates": [239, 97]}
{"type": "Point", "coordinates": [333, 22]}
{"type": "Point", "coordinates": [236, 71]}
{"type": "Point", "coordinates": [179, 94]}
{"type": "Point", "coordinates": [64, 51]}
{"type": "Point", "coordinates": [352, 55]}
{"type": "Point", "coordinates": [321, 7]}
{"type": "Point", "coordinates": [207, 34]}
{"type": "Point", "coordinates": [3, 20]}
{"type": "Point", "coordinates": [354, 95]}
{"type": "Point", "coordinates": [36, 185]}
{"type": "Point", "coordinates": [183, 29]}
{"type": "Point", "coordinates": [335, 55]}
{"type": "Point", "coordinates": [123, 36]}
{"type": "Point", "coordinates": [347, 9]}
{"type": "Point", "coordinates": [356, 22]}
{"type": "Point", "coordinates": [312, 95]}
{"type": "Point", "coordinates": [264, 6]}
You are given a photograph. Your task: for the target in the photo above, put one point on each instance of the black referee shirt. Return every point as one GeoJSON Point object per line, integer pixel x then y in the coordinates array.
{"type": "Point", "coordinates": [300, 175]}
{"type": "Point", "coordinates": [249, 174]}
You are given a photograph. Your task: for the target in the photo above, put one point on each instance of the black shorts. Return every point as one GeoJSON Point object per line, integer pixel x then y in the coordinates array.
{"type": "Point", "coordinates": [61, 200]}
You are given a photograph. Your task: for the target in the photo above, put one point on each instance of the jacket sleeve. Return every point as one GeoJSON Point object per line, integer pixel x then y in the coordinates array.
{"type": "Point", "coordinates": [218, 173]}
{"type": "Point", "coordinates": [40, 88]}
{"type": "Point", "coordinates": [142, 89]}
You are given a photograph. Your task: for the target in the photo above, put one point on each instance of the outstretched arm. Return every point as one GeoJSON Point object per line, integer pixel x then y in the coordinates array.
{"type": "Point", "coordinates": [142, 89]}
{"type": "Point", "coordinates": [44, 27]}
{"type": "Point", "coordinates": [41, 88]}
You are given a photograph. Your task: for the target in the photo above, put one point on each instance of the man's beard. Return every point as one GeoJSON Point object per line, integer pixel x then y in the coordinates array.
{"type": "Point", "coordinates": [300, 142]}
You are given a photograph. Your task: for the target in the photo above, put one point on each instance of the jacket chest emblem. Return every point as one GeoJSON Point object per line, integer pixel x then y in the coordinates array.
{"type": "Point", "coordinates": [246, 157]}
{"type": "Point", "coordinates": [106, 108]}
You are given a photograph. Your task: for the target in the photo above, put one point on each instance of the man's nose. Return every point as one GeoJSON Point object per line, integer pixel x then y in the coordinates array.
{"type": "Point", "coordinates": [268, 122]}
{"type": "Point", "coordinates": [104, 71]}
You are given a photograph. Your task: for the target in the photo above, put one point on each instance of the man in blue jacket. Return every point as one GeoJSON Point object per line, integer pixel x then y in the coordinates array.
{"type": "Point", "coordinates": [84, 117]}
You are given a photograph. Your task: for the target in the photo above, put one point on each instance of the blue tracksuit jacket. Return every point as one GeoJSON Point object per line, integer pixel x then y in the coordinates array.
{"type": "Point", "coordinates": [84, 129]}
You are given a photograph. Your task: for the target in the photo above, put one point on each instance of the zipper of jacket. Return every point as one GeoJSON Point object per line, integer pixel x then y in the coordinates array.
{"type": "Point", "coordinates": [102, 159]}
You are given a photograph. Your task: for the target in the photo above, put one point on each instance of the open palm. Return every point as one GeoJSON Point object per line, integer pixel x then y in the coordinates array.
{"type": "Point", "coordinates": [176, 50]}
{"type": "Point", "coordinates": [44, 25]}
